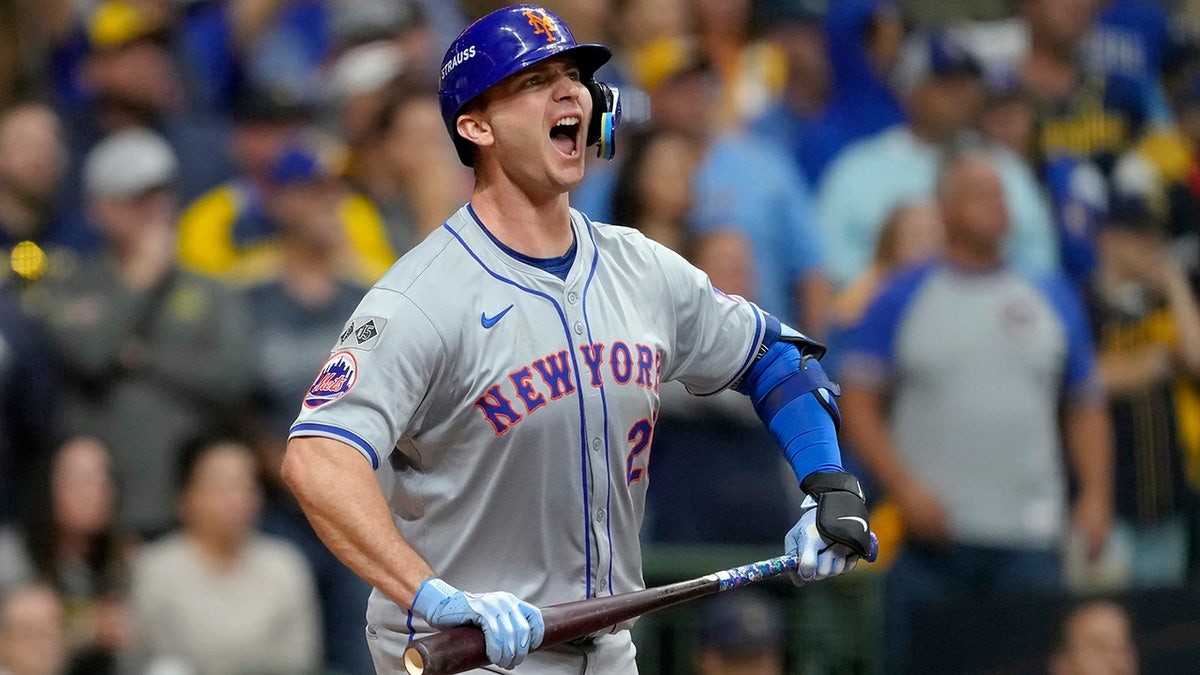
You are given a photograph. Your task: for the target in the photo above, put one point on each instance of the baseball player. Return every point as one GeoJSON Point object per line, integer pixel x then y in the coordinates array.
{"type": "Point", "coordinates": [477, 445]}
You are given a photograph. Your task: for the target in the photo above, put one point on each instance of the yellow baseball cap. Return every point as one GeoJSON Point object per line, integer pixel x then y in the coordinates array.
{"type": "Point", "coordinates": [663, 59]}
{"type": "Point", "coordinates": [116, 23]}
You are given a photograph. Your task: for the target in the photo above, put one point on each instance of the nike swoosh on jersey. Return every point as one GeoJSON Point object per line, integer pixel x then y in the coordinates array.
{"type": "Point", "coordinates": [856, 519]}
{"type": "Point", "coordinates": [489, 321]}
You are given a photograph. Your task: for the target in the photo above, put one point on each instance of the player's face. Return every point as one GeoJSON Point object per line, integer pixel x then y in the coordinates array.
{"type": "Point", "coordinates": [534, 126]}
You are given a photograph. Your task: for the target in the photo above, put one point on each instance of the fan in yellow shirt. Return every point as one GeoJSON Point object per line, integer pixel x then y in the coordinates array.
{"type": "Point", "coordinates": [234, 232]}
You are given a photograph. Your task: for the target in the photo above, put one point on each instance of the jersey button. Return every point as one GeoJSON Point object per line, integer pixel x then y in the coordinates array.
{"type": "Point", "coordinates": [602, 583]}
{"type": "Point", "coordinates": [599, 515]}
{"type": "Point", "coordinates": [572, 298]}
{"type": "Point", "coordinates": [579, 328]}
{"type": "Point", "coordinates": [596, 445]}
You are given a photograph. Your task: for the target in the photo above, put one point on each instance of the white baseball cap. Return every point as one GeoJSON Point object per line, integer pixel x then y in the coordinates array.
{"type": "Point", "coordinates": [128, 163]}
{"type": "Point", "coordinates": [365, 69]}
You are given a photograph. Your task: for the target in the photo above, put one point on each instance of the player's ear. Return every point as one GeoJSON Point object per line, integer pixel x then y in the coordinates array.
{"type": "Point", "coordinates": [475, 129]}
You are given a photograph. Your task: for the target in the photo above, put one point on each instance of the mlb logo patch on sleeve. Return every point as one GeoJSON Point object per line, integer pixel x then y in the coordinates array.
{"type": "Point", "coordinates": [336, 379]}
{"type": "Point", "coordinates": [361, 332]}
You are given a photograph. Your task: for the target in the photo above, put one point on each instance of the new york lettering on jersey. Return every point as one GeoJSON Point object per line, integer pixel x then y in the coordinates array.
{"type": "Point", "coordinates": [621, 367]}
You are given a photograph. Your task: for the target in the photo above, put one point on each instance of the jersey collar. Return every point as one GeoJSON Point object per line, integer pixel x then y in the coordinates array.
{"type": "Point", "coordinates": [477, 236]}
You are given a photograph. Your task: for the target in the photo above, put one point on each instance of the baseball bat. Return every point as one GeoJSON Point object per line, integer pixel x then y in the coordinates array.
{"type": "Point", "coordinates": [462, 648]}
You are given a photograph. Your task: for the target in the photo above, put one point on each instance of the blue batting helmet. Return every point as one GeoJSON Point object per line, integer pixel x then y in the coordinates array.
{"type": "Point", "coordinates": [505, 42]}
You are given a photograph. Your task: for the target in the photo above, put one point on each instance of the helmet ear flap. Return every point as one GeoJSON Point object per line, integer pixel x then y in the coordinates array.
{"type": "Point", "coordinates": [606, 115]}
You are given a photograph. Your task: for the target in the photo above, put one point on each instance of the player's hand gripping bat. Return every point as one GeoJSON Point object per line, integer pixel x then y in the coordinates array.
{"type": "Point", "coordinates": [462, 648]}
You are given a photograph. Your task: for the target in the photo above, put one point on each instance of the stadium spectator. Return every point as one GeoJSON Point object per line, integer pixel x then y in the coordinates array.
{"type": "Point", "coordinates": [796, 29]}
{"type": "Point", "coordinates": [1164, 169]}
{"type": "Point", "coordinates": [153, 354]}
{"type": "Point", "coordinates": [1077, 192]}
{"type": "Point", "coordinates": [1147, 326]}
{"type": "Point", "coordinates": [1177, 170]}
{"type": "Point", "coordinates": [646, 30]}
{"type": "Point", "coordinates": [299, 312]}
{"type": "Point", "coordinates": [943, 92]}
{"type": "Point", "coordinates": [358, 83]}
{"type": "Point", "coordinates": [411, 26]}
{"type": "Point", "coordinates": [247, 604]}
{"type": "Point", "coordinates": [1082, 112]}
{"type": "Point", "coordinates": [653, 191]}
{"type": "Point", "coordinates": [232, 232]}
{"type": "Point", "coordinates": [1094, 638]}
{"type": "Point", "coordinates": [977, 346]}
{"type": "Point", "coordinates": [32, 639]}
{"type": "Point", "coordinates": [864, 39]}
{"type": "Point", "coordinates": [68, 540]}
{"type": "Point", "coordinates": [750, 71]}
{"type": "Point", "coordinates": [298, 315]}
{"type": "Point", "coordinates": [35, 240]}
{"type": "Point", "coordinates": [1131, 38]}
{"type": "Point", "coordinates": [910, 235]}
{"type": "Point", "coordinates": [748, 184]}
{"type": "Point", "coordinates": [1173, 161]}
{"type": "Point", "coordinates": [406, 169]}
{"type": "Point", "coordinates": [131, 79]}
{"type": "Point", "coordinates": [741, 634]}
{"type": "Point", "coordinates": [29, 399]}
{"type": "Point", "coordinates": [213, 227]}
{"type": "Point", "coordinates": [282, 42]}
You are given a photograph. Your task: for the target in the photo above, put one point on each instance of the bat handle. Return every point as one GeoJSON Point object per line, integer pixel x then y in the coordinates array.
{"type": "Point", "coordinates": [450, 651]}
{"type": "Point", "coordinates": [873, 554]}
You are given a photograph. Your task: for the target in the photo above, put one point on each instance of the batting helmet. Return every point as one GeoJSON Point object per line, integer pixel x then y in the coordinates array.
{"type": "Point", "coordinates": [508, 41]}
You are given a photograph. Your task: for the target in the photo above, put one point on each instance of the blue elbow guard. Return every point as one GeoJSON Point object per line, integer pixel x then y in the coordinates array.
{"type": "Point", "coordinates": [808, 377]}
{"type": "Point", "coordinates": [787, 367]}
{"type": "Point", "coordinates": [795, 399]}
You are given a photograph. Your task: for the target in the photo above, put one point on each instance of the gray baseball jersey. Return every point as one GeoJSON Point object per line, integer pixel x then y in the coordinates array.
{"type": "Point", "coordinates": [509, 413]}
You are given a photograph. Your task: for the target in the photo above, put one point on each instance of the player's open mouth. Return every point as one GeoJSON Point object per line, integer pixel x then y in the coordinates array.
{"type": "Point", "coordinates": [565, 135]}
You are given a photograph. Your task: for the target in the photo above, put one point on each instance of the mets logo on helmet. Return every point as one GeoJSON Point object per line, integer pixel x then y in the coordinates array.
{"type": "Point", "coordinates": [542, 24]}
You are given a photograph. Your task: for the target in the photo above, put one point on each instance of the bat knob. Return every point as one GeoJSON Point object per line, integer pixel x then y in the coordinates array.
{"type": "Point", "coordinates": [414, 663]}
{"type": "Point", "coordinates": [874, 552]}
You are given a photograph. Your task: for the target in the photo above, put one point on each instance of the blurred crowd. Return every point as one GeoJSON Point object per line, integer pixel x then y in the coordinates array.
{"type": "Point", "coordinates": [989, 209]}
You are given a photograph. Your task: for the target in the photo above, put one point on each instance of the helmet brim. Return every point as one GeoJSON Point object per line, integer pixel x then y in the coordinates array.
{"type": "Point", "coordinates": [590, 57]}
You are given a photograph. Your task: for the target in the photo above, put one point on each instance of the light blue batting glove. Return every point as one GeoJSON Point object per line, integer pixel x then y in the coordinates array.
{"type": "Point", "coordinates": [511, 626]}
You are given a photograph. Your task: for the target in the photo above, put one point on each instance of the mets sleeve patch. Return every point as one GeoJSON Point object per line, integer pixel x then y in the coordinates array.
{"type": "Point", "coordinates": [336, 379]}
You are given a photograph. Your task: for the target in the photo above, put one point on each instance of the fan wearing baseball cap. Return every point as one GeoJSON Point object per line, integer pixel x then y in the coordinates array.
{"type": "Point", "coordinates": [154, 354]}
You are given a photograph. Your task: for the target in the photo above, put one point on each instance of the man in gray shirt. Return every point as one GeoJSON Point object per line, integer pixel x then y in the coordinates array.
{"type": "Point", "coordinates": [973, 359]}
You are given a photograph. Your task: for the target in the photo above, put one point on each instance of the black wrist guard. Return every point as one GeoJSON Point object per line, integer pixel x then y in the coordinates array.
{"type": "Point", "coordinates": [841, 509]}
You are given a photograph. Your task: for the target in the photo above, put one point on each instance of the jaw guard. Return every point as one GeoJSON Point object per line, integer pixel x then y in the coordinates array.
{"type": "Point", "coordinates": [606, 115]}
